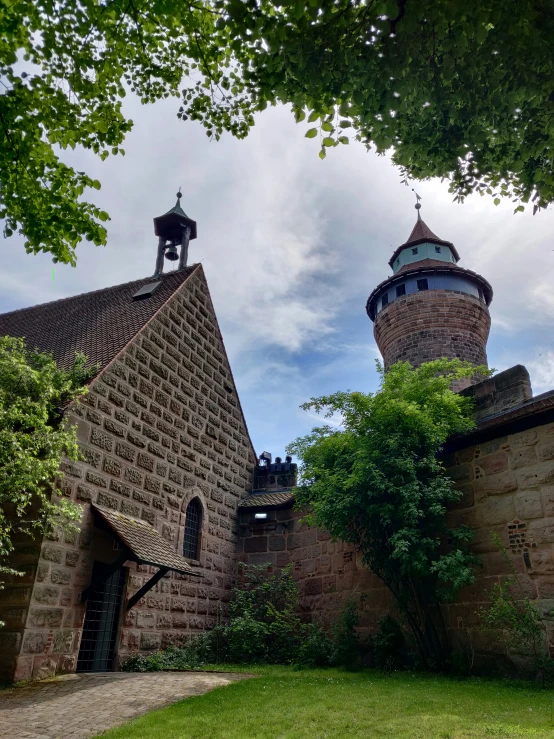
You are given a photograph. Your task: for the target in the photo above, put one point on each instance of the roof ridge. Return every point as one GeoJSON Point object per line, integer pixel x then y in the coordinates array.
{"type": "Point", "coordinates": [184, 272]}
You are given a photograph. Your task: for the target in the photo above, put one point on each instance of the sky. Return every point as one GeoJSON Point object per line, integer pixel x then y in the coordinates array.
{"type": "Point", "coordinates": [292, 246]}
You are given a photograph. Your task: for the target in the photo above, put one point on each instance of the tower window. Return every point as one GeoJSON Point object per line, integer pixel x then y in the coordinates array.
{"type": "Point", "coordinates": [193, 521]}
{"type": "Point", "coordinates": [400, 290]}
{"type": "Point", "coordinates": [397, 262]}
{"type": "Point", "coordinates": [384, 300]}
{"type": "Point", "coordinates": [422, 284]}
{"type": "Point", "coordinates": [414, 251]}
{"type": "Point", "coordinates": [438, 249]}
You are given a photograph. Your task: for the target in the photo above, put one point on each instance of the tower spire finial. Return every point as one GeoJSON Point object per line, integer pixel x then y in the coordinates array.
{"type": "Point", "coordinates": [417, 206]}
{"type": "Point", "coordinates": [179, 196]}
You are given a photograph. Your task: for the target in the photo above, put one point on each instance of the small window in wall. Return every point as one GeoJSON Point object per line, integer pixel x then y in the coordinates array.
{"type": "Point", "coordinates": [438, 249]}
{"type": "Point", "coordinates": [384, 300]}
{"type": "Point", "coordinates": [193, 522]}
{"type": "Point", "coordinates": [422, 285]}
{"type": "Point", "coordinates": [414, 251]}
{"type": "Point", "coordinates": [397, 262]}
{"type": "Point", "coordinates": [400, 290]}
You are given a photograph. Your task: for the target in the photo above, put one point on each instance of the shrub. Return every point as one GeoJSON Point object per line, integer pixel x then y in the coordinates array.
{"type": "Point", "coordinates": [316, 647]}
{"type": "Point", "coordinates": [346, 644]}
{"type": "Point", "coordinates": [519, 621]}
{"type": "Point", "coordinates": [389, 646]}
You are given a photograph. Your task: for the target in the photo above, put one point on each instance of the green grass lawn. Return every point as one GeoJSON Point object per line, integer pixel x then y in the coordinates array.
{"type": "Point", "coordinates": [282, 703]}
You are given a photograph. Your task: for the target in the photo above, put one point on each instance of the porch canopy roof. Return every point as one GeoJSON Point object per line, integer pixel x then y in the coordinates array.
{"type": "Point", "coordinates": [144, 542]}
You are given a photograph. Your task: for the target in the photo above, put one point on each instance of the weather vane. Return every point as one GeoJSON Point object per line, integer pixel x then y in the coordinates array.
{"type": "Point", "coordinates": [418, 204]}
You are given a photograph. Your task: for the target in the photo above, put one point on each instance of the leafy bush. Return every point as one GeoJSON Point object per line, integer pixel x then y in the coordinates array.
{"type": "Point", "coordinates": [389, 646]}
{"type": "Point", "coordinates": [346, 644]}
{"type": "Point", "coordinates": [263, 628]}
{"type": "Point", "coordinates": [317, 648]}
{"type": "Point", "coordinates": [519, 621]}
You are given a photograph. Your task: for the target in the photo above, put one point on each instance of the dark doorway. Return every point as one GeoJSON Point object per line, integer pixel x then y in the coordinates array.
{"type": "Point", "coordinates": [101, 620]}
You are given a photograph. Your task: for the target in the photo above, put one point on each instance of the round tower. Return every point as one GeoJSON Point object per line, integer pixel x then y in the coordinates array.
{"type": "Point", "coordinates": [430, 308]}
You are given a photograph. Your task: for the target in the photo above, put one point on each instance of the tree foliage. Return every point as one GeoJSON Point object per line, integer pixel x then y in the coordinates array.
{"type": "Point", "coordinates": [377, 482]}
{"type": "Point", "coordinates": [459, 89]}
{"type": "Point", "coordinates": [33, 441]}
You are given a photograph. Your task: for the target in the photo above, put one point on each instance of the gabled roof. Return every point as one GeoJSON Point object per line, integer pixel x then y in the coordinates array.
{"type": "Point", "coordinates": [144, 541]}
{"type": "Point", "coordinates": [421, 233]}
{"type": "Point", "coordinates": [100, 324]}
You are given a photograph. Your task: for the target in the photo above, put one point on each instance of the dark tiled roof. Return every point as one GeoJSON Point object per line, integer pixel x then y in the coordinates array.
{"type": "Point", "coordinates": [262, 500]}
{"type": "Point", "coordinates": [420, 234]}
{"type": "Point", "coordinates": [145, 542]}
{"type": "Point", "coordinates": [100, 324]}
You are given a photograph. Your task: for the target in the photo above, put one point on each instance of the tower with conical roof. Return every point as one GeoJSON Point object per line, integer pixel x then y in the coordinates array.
{"type": "Point", "coordinates": [430, 307]}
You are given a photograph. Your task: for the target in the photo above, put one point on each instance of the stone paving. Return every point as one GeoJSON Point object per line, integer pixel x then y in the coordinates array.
{"type": "Point", "coordinates": [82, 706]}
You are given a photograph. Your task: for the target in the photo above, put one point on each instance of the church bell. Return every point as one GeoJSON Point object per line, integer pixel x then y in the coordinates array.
{"type": "Point", "coordinates": [171, 253]}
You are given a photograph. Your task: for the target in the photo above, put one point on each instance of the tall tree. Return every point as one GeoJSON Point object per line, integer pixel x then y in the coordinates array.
{"type": "Point", "coordinates": [459, 89]}
{"type": "Point", "coordinates": [377, 483]}
{"type": "Point", "coordinates": [33, 441]}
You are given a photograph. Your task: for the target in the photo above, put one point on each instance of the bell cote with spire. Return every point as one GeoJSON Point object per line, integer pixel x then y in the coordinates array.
{"type": "Point", "coordinates": [174, 230]}
{"type": "Point", "coordinates": [422, 246]}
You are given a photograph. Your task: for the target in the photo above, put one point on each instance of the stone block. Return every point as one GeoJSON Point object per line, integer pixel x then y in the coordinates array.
{"type": "Point", "coordinates": [60, 577]}
{"type": "Point", "coordinates": [545, 587]}
{"type": "Point", "coordinates": [112, 467]}
{"type": "Point", "coordinates": [46, 595]}
{"type": "Point", "coordinates": [498, 510]}
{"type": "Point", "coordinates": [536, 476]}
{"type": "Point", "coordinates": [52, 554]}
{"type": "Point", "coordinates": [146, 620]}
{"type": "Point", "coordinates": [67, 663]}
{"type": "Point", "coordinates": [542, 530]}
{"type": "Point", "coordinates": [494, 463]}
{"type": "Point", "coordinates": [548, 501]}
{"type": "Point", "coordinates": [41, 618]}
{"type": "Point", "coordinates": [35, 642]}
{"type": "Point", "coordinates": [277, 543]}
{"type": "Point", "coordinates": [528, 505]}
{"type": "Point", "coordinates": [101, 440]}
{"type": "Point", "coordinates": [542, 561]}
{"type": "Point", "coordinates": [63, 641]}
{"type": "Point", "coordinates": [499, 484]}
{"type": "Point", "coordinates": [108, 501]}
{"type": "Point", "coordinates": [44, 667]}
{"type": "Point", "coordinates": [95, 479]}
{"type": "Point", "coordinates": [523, 457]}
{"type": "Point", "coordinates": [256, 544]}
{"type": "Point", "coordinates": [150, 640]}
{"type": "Point", "coordinates": [545, 451]}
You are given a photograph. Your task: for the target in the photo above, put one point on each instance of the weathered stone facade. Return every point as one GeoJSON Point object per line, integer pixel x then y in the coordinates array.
{"type": "Point", "coordinates": [161, 424]}
{"type": "Point", "coordinates": [505, 471]}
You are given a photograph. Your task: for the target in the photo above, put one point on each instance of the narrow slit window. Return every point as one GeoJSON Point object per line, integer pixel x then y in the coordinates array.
{"type": "Point", "coordinates": [422, 284]}
{"type": "Point", "coordinates": [438, 249]}
{"type": "Point", "coordinates": [193, 521]}
{"type": "Point", "coordinates": [414, 251]}
{"type": "Point", "coordinates": [400, 290]}
{"type": "Point", "coordinates": [384, 300]}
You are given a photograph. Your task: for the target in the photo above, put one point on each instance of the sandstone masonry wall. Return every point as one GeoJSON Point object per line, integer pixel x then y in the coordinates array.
{"type": "Point", "coordinates": [508, 488]}
{"type": "Point", "coordinates": [161, 425]}
{"type": "Point", "coordinates": [433, 323]}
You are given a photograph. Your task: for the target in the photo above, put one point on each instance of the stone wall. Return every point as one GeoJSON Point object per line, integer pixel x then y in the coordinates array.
{"type": "Point", "coordinates": [430, 324]}
{"type": "Point", "coordinates": [161, 425]}
{"type": "Point", "coordinates": [508, 489]}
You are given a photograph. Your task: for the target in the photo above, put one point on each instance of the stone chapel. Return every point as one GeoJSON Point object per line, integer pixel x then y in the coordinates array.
{"type": "Point", "coordinates": [174, 496]}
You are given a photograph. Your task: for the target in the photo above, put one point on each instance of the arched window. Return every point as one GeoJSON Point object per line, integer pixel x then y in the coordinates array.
{"type": "Point", "coordinates": [193, 521]}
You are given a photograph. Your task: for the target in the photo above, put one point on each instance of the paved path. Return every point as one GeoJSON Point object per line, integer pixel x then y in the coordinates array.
{"type": "Point", "coordinates": [81, 706]}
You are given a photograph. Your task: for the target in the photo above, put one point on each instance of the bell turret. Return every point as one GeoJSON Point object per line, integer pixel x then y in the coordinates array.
{"type": "Point", "coordinates": [174, 229]}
